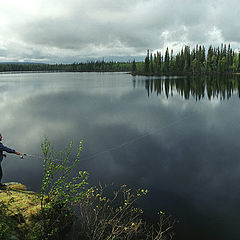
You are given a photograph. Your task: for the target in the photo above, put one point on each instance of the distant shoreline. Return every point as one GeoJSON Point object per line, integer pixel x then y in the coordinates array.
{"type": "Point", "coordinates": [15, 72]}
{"type": "Point", "coordinates": [61, 71]}
{"type": "Point", "coordinates": [125, 72]}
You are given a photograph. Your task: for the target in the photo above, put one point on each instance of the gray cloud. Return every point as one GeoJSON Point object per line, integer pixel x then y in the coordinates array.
{"type": "Point", "coordinates": [81, 29]}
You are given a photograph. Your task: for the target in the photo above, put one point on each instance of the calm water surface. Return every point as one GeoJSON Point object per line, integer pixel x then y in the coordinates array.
{"type": "Point", "coordinates": [178, 138]}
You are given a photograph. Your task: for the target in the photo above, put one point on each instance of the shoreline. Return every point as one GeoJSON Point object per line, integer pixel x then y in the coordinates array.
{"type": "Point", "coordinates": [127, 72]}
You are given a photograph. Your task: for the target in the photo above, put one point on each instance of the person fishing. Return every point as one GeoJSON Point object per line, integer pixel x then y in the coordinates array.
{"type": "Point", "coordinates": [5, 149]}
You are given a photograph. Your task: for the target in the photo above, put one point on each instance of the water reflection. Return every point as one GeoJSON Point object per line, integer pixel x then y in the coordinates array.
{"type": "Point", "coordinates": [187, 153]}
{"type": "Point", "coordinates": [220, 87]}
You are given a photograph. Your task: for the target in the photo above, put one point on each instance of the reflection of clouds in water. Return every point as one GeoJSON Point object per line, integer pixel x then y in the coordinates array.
{"type": "Point", "coordinates": [189, 153]}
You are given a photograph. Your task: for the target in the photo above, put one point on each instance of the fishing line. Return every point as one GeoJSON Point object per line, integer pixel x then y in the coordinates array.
{"type": "Point", "coordinates": [124, 144]}
{"type": "Point", "coordinates": [136, 139]}
{"type": "Point", "coordinates": [131, 141]}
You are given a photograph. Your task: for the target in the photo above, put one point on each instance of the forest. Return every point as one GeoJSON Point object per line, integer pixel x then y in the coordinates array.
{"type": "Point", "coordinates": [93, 66]}
{"type": "Point", "coordinates": [198, 61]}
{"type": "Point", "coordinates": [186, 62]}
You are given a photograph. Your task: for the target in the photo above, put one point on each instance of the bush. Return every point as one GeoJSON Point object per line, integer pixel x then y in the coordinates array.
{"type": "Point", "coordinates": [60, 190]}
{"type": "Point", "coordinates": [9, 223]}
{"type": "Point", "coordinates": [117, 217]}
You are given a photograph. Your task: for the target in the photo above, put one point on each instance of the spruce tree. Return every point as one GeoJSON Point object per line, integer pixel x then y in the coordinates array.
{"type": "Point", "coordinates": [134, 67]}
{"type": "Point", "coordinates": [147, 62]}
{"type": "Point", "coordinates": [159, 62]}
{"type": "Point", "coordinates": [166, 61]}
{"type": "Point", "coordinates": [151, 64]}
{"type": "Point", "coordinates": [186, 59]}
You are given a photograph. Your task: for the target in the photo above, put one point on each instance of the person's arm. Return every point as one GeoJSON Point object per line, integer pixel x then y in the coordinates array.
{"type": "Point", "coordinates": [9, 150]}
{"type": "Point", "coordinates": [18, 153]}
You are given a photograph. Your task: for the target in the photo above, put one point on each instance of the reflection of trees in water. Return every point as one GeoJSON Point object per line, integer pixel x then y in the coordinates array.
{"type": "Point", "coordinates": [221, 87]}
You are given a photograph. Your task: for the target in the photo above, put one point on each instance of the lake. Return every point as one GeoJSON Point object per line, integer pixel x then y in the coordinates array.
{"type": "Point", "coordinates": [177, 137]}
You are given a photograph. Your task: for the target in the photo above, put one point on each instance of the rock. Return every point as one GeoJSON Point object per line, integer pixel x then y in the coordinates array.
{"type": "Point", "coordinates": [15, 186]}
{"type": "Point", "coordinates": [20, 201]}
{"type": "Point", "coordinates": [22, 211]}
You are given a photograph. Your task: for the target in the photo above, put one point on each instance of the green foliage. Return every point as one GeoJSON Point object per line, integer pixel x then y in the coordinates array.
{"type": "Point", "coordinates": [134, 66]}
{"type": "Point", "coordinates": [58, 184]}
{"type": "Point", "coordinates": [147, 62]}
{"type": "Point", "coordinates": [195, 62]}
{"type": "Point", "coordinates": [60, 191]}
{"type": "Point", "coordinates": [93, 66]}
{"type": "Point", "coordinates": [52, 223]}
{"type": "Point", "coordinates": [9, 224]}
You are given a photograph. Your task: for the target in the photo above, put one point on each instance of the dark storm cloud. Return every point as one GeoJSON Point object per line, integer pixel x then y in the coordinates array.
{"type": "Point", "coordinates": [78, 29]}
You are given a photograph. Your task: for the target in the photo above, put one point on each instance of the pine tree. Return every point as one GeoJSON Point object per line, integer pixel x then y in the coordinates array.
{"type": "Point", "coordinates": [147, 62]}
{"type": "Point", "coordinates": [186, 59]}
{"type": "Point", "coordinates": [158, 63]}
{"type": "Point", "coordinates": [209, 59]}
{"type": "Point", "coordinates": [166, 61]}
{"type": "Point", "coordinates": [134, 67]}
{"type": "Point", "coordinates": [151, 64]}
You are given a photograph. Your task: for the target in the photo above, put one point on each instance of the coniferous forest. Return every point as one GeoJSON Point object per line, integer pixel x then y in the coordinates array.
{"type": "Point", "coordinates": [198, 61]}
{"type": "Point", "coordinates": [93, 66]}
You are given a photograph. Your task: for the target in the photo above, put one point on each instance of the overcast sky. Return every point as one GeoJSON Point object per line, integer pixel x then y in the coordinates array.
{"type": "Point", "coordinates": [74, 30]}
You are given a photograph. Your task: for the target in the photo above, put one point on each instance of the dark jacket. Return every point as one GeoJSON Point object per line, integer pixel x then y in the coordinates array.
{"type": "Point", "coordinates": [5, 149]}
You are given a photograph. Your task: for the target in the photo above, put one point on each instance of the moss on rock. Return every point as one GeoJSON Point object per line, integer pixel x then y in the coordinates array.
{"type": "Point", "coordinates": [17, 207]}
{"type": "Point", "coordinates": [20, 201]}
{"type": "Point", "coordinates": [23, 217]}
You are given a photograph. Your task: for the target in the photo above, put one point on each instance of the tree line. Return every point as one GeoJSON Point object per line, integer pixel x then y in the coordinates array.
{"type": "Point", "coordinates": [93, 66]}
{"type": "Point", "coordinates": [198, 61]}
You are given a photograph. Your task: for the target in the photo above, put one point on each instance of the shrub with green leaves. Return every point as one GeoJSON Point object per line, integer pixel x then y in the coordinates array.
{"type": "Point", "coordinates": [60, 190]}
{"type": "Point", "coordinates": [59, 187]}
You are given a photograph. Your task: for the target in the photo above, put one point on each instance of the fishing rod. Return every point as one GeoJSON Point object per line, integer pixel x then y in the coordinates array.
{"type": "Point", "coordinates": [22, 156]}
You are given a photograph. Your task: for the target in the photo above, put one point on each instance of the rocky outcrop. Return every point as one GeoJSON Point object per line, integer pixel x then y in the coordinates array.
{"type": "Point", "coordinates": [19, 201]}
{"type": "Point", "coordinates": [17, 207]}
{"type": "Point", "coordinates": [22, 216]}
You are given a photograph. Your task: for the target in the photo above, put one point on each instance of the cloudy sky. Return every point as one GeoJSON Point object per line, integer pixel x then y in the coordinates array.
{"type": "Point", "coordinates": [77, 30]}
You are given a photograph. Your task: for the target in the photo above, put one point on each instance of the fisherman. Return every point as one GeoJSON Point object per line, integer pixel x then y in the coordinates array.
{"type": "Point", "coordinates": [5, 149]}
